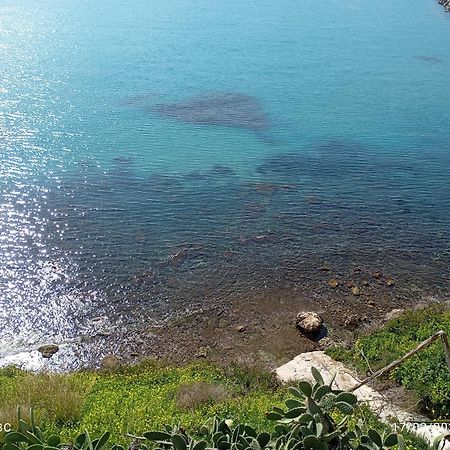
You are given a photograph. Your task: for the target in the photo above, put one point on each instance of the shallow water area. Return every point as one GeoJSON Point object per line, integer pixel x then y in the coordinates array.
{"type": "Point", "coordinates": [162, 158]}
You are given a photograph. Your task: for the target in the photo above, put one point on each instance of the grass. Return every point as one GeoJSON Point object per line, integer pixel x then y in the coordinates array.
{"type": "Point", "coordinates": [426, 373]}
{"type": "Point", "coordinates": [55, 398]}
{"type": "Point", "coordinates": [134, 399]}
{"type": "Point", "coordinates": [131, 400]}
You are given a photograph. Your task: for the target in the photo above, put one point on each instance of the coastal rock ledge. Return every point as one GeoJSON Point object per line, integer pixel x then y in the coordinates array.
{"type": "Point", "coordinates": [445, 4]}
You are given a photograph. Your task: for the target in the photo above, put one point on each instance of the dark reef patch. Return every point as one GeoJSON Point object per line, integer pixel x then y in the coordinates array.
{"type": "Point", "coordinates": [429, 59]}
{"type": "Point", "coordinates": [219, 169]}
{"type": "Point", "coordinates": [227, 109]}
{"type": "Point", "coordinates": [335, 158]}
{"type": "Point", "coordinates": [123, 160]}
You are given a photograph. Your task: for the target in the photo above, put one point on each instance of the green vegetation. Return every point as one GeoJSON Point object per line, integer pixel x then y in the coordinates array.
{"type": "Point", "coordinates": [309, 423]}
{"type": "Point", "coordinates": [134, 399]}
{"type": "Point", "coordinates": [317, 417]}
{"type": "Point", "coordinates": [426, 373]}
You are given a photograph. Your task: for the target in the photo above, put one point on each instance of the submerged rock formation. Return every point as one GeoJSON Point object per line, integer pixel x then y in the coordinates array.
{"type": "Point", "coordinates": [217, 108]}
{"type": "Point", "coordinates": [228, 109]}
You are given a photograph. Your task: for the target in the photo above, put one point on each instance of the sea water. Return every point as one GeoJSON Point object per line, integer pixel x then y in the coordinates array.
{"type": "Point", "coordinates": [111, 207]}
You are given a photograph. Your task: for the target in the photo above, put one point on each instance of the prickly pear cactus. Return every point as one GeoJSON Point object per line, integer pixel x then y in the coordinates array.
{"type": "Point", "coordinates": [218, 434]}
{"type": "Point", "coordinates": [28, 436]}
{"type": "Point", "coordinates": [307, 422]}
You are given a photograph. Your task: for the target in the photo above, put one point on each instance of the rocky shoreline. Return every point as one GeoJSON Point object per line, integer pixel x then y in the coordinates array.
{"type": "Point", "coordinates": [266, 328]}
{"type": "Point", "coordinates": [445, 4]}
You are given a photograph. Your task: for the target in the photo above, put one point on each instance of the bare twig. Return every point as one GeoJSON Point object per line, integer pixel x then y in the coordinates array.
{"type": "Point", "coordinates": [366, 360]}
{"type": "Point", "coordinates": [439, 335]}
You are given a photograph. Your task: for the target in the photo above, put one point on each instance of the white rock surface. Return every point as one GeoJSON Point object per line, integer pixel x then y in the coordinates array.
{"type": "Point", "coordinates": [300, 369]}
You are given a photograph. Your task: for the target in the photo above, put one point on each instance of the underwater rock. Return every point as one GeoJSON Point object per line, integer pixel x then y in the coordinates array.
{"type": "Point", "coordinates": [217, 108]}
{"type": "Point", "coordinates": [334, 283]}
{"type": "Point", "coordinates": [284, 164]}
{"type": "Point", "coordinates": [430, 59]}
{"type": "Point", "coordinates": [262, 188]}
{"type": "Point", "coordinates": [47, 351]}
{"type": "Point", "coordinates": [312, 200]}
{"type": "Point", "coordinates": [267, 189]}
{"type": "Point", "coordinates": [230, 254]}
{"type": "Point", "coordinates": [390, 282]}
{"type": "Point", "coordinates": [179, 255]}
{"type": "Point", "coordinates": [123, 160]}
{"type": "Point", "coordinates": [164, 182]}
{"type": "Point", "coordinates": [175, 258]}
{"type": "Point", "coordinates": [337, 159]}
{"type": "Point", "coordinates": [228, 109]}
{"type": "Point", "coordinates": [309, 322]}
{"type": "Point", "coordinates": [356, 291]}
{"type": "Point", "coordinates": [219, 169]}
{"type": "Point", "coordinates": [256, 239]}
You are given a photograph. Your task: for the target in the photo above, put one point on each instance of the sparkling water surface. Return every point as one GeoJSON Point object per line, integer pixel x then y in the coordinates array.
{"type": "Point", "coordinates": [155, 152]}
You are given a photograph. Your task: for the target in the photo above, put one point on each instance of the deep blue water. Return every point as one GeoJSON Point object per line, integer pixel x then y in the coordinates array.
{"type": "Point", "coordinates": [130, 188]}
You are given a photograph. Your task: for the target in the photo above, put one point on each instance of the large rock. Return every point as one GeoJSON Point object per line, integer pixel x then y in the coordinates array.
{"type": "Point", "coordinates": [47, 351]}
{"type": "Point", "coordinates": [309, 322]}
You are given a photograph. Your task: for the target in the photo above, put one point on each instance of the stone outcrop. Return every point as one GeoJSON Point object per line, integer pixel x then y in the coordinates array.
{"type": "Point", "coordinates": [47, 351]}
{"type": "Point", "coordinates": [309, 322]}
{"type": "Point", "coordinates": [345, 379]}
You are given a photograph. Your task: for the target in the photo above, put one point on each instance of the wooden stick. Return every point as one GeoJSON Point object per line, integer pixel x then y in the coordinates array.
{"type": "Point", "coordinates": [446, 348]}
{"type": "Point", "coordinates": [440, 334]}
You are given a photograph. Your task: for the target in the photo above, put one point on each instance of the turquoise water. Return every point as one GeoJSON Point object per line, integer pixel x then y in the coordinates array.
{"type": "Point", "coordinates": [110, 207]}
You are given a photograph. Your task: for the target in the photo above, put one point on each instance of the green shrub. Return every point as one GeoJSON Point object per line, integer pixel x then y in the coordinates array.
{"type": "Point", "coordinates": [426, 373]}
{"type": "Point", "coordinates": [193, 395]}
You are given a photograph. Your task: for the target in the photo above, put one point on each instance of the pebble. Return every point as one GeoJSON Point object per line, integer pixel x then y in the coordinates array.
{"type": "Point", "coordinates": [334, 283]}
{"type": "Point", "coordinates": [202, 352]}
{"type": "Point", "coordinates": [390, 282]}
{"type": "Point", "coordinates": [356, 291]}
